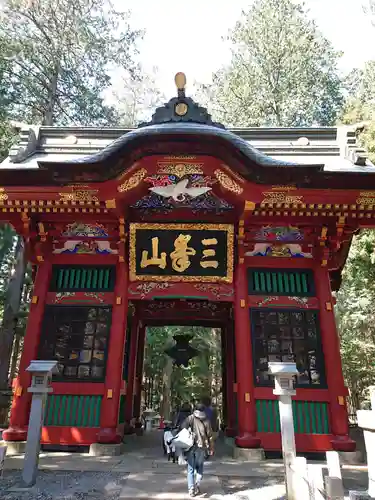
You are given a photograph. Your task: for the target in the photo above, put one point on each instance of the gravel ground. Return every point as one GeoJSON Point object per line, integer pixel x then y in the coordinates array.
{"type": "Point", "coordinates": [67, 485]}
{"type": "Point", "coordinates": [353, 480]}
{"type": "Point", "coordinates": [76, 485]}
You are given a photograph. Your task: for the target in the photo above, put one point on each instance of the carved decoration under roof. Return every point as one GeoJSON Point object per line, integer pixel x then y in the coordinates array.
{"type": "Point", "coordinates": [169, 192]}
{"type": "Point", "coordinates": [206, 203]}
{"type": "Point", "coordinates": [91, 230]}
{"type": "Point", "coordinates": [180, 191]}
{"type": "Point", "coordinates": [181, 109]}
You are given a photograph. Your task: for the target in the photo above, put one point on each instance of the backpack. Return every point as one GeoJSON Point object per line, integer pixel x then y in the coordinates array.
{"type": "Point", "coordinates": [185, 439]}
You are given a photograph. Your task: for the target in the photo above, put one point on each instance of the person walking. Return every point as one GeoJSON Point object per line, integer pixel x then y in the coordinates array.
{"type": "Point", "coordinates": [201, 430]}
{"type": "Point", "coordinates": [182, 415]}
{"type": "Point", "coordinates": [212, 416]}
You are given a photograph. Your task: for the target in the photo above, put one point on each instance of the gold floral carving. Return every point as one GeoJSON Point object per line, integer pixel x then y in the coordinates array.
{"type": "Point", "coordinates": [180, 169]}
{"type": "Point", "coordinates": [191, 227]}
{"type": "Point", "coordinates": [283, 188]}
{"type": "Point", "coordinates": [79, 194]}
{"type": "Point", "coordinates": [3, 194]}
{"type": "Point", "coordinates": [233, 174]}
{"type": "Point", "coordinates": [227, 183]}
{"type": "Point", "coordinates": [281, 197]}
{"type": "Point", "coordinates": [366, 198]}
{"type": "Point", "coordinates": [133, 181]}
{"type": "Point", "coordinates": [129, 171]}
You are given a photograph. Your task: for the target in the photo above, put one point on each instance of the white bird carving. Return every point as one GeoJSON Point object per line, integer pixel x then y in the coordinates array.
{"type": "Point", "coordinates": [179, 191]}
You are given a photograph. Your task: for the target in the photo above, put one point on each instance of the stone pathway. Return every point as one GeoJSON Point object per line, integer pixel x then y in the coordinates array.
{"type": "Point", "coordinates": [143, 472]}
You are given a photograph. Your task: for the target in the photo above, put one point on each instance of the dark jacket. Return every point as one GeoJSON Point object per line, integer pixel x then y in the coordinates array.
{"type": "Point", "coordinates": [201, 428]}
{"type": "Point", "coordinates": [181, 417]}
{"type": "Point", "coordinates": [212, 417]}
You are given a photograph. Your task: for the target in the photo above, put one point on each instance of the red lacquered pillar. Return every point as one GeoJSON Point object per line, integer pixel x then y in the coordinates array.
{"type": "Point", "coordinates": [224, 378]}
{"type": "Point", "coordinates": [334, 376]}
{"type": "Point", "coordinates": [229, 358]}
{"type": "Point", "coordinates": [19, 417]}
{"type": "Point", "coordinates": [139, 371]}
{"type": "Point", "coordinates": [109, 414]}
{"type": "Point", "coordinates": [135, 328]}
{"type": "Point", "coordinates": [246, 437]}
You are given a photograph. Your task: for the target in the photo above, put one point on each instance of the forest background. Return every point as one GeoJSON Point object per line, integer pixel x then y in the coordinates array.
{"type": "Point", "coordinates": [57, 61]}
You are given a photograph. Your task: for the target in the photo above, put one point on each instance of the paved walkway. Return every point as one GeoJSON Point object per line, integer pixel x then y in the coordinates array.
{"type": "Point", "coordinates": [143, 472]}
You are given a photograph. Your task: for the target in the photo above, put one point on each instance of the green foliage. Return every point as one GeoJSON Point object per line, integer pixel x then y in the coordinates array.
{"type": "Point", "coordinates": [201, 378]}
{"type": "Point", "coordinates": [8, 136]}
{"type": "Point", "coordinates": [360, 105]}
{"type": "Point", "coordinates": [61, 52]}
{"type": "Point", "coordinates": [283, 72]}
{"type": "Point", "coordinates": [356, 317]}
{"type": "Point", "coordinates": [7, 247]}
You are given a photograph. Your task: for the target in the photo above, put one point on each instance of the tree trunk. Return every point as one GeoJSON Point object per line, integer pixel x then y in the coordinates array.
{"type": "Point", "coordinates": [165, 406]}
{"type": "Point", "coordinates": [209, 374]}
{"type": "Point", "coordinates": [52, 95]}
{"type": "Point", "coordinates": [15, 354]}
{"type": "Point", "coordinates": [11, 310]}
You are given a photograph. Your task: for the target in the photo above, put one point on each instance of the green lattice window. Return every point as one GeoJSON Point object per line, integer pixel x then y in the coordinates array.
{"type": "Point", "coordinates": [295, 282]}
{"type": "Point", "coordinates": [72, 411]}
{"type": "Point", "coordinates": [309, 417]}
{"type": "Point", "coordinates": [83, 278]}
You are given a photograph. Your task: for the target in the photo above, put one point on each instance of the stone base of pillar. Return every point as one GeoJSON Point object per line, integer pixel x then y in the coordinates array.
{"type": "Point", "coordinates": [108, 436]}
{"type": "Point", "coordinates": [247, 440]}
{"type": "Point", "coordinates": [249, 454]}
{"type": "Point", "coordinates": [343, 443]}
{"type": "Point", "coordinates": [106, 450]}
{"type": "Point", "coordinates": [15, 447]}
{"type": "Point", "coordinates": [351, 457]}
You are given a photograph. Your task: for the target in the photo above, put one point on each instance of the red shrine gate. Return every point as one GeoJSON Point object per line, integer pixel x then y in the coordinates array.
{"type": "Point", "coordinates": [177, 220]}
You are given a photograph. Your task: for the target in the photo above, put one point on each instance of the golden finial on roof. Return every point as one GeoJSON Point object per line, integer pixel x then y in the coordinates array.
{"type": "Point", "coordinates": [181, 107]}
{"type": "Point", "coordinates": [180, 80]}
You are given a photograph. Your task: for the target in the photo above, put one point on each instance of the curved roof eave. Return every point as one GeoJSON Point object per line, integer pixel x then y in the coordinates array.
{"type": "Point", "coordinates": [177, 130]}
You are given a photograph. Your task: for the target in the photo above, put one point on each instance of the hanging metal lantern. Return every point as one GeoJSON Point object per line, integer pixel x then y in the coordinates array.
{"type": "Point", "coordinates": [182, 352]}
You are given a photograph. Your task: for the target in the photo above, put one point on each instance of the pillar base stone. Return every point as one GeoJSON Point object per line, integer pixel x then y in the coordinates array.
{"type": "Point", "coordinates": [343, 443]}
{"type": "Point", "coordinates": [249, 454]}
{"type": "Point", "coordinates": [106, 450]}
{"type": "Point", "coordinates": [15, 447]}
{"type": "Point", "coordinates": [351, 457]}
{"type": "Point", "coordinates": [247, 440]}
